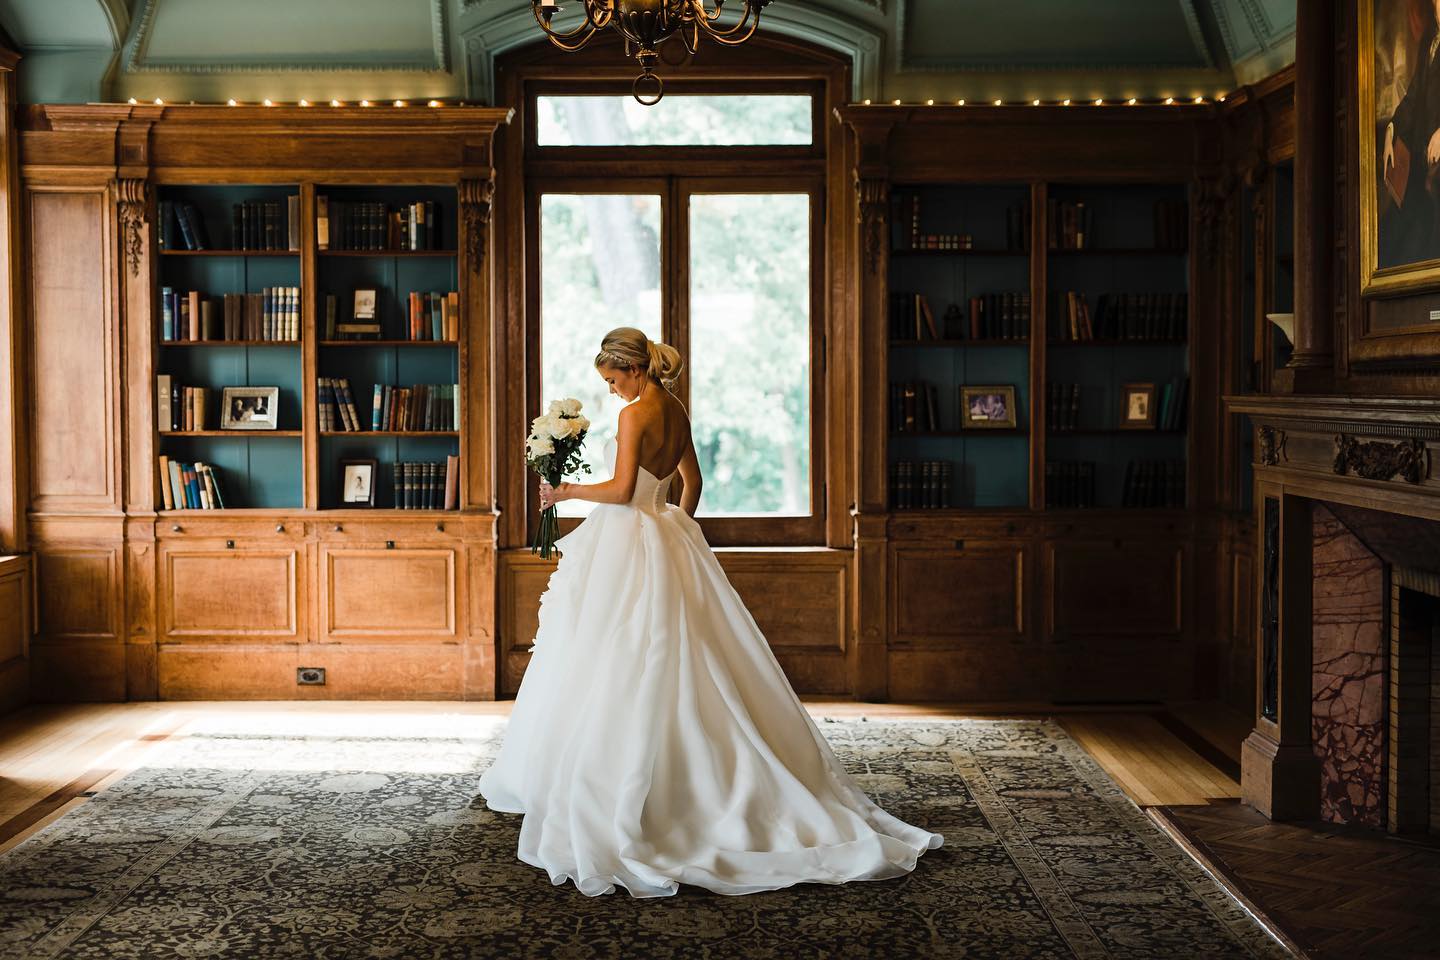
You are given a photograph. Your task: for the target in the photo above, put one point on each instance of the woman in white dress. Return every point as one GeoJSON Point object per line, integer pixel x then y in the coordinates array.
{"type": "Point", "coordinates": [654, 740]}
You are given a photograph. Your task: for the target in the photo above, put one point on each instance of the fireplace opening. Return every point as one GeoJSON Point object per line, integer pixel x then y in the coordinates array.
{"type": "Point", "coordinates": [1414, 719]}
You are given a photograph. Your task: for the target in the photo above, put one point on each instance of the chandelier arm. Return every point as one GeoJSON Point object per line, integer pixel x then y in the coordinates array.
{"type": "Point", "coordinates": [742, 30]}
{"type": "Point", "coordinates": [563, 39]}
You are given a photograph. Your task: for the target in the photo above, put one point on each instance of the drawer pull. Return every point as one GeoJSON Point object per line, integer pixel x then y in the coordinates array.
{"type": "Point", "coordinates": [279, 528]}
{"type": "Point", "coordinates": [440, 527]}
{"type": "Point", "coordinates": [338, 528]}
{"type": "Point", "coordinates": [229, 544]}
{"type": "Point", "coordinates": [389, 544]}
{"type": "Point", "coordinates": [1010, 528]}
{"type": "Point", "coordinates": [959, 544]}
{"type": "Point", "coordinates": [175, 528]}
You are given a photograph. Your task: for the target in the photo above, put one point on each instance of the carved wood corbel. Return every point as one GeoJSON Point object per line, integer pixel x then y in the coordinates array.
{"type": "Point", "coordinates": [133, 205]}
{"type": "Point", "coordinates": [476, 197]}
{"type": "Point", "coordinates": [1271, 446]}
{"type": "Point", "coordinates": [873, 209]}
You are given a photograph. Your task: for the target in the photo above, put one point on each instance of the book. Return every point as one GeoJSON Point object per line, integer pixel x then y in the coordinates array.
{"type": "Point", "coordinates": [322, 221]}
{"type": "Point", "coordinates": [452, 482]}
{"type": "Point", "coordinates": [167, 497]}
{"type": "Point", "coordinates": [164, 412]}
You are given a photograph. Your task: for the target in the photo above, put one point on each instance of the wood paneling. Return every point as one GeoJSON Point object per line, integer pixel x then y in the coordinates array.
{"type": "Point", "coordinates": [250, 592]}
{"type": "Point", "coordinates": [392, 593]}
{"type": "Point", "coordinates": [72, 354]}
{"type": "Point", "coordinates": [953, 593]}
{"type": "Point", "coordinates": [1121, 587]}
{"type": "Point", "coordinates": [14, 624]}
{"type": "Point", "coordinates": [78, 593]}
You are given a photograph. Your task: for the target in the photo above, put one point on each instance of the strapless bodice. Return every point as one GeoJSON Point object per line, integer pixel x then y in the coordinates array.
{"type": "Point", "coordinates": [650, 491]}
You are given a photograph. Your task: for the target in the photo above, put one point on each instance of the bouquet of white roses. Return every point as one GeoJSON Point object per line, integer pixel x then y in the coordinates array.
{"type": "Point", "coordinates": [553, 450]}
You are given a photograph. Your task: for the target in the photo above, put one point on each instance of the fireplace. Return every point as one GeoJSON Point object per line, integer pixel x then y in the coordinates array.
{"type": "Point", "coordinates": [1375, 648]}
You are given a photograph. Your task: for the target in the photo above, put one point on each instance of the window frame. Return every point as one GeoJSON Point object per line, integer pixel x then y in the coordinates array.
{"type": "Point", "coordinates": [677, 174]}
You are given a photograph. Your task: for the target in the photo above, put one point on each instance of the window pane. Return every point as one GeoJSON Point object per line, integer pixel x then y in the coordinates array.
{"type": "Point", "coordinates": [750, 351]}
{"type": "Point", "coordinates": [696, 121]}
{"type": "Point", "coordinates": [599, 269]}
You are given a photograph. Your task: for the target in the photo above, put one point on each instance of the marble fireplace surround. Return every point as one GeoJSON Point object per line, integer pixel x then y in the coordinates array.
{"type": "Point", "coordinates": [1347, 503]}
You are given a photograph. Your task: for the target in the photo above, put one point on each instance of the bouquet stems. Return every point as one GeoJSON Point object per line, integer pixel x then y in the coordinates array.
{"type": "Point", "coordinates": [547, 532]}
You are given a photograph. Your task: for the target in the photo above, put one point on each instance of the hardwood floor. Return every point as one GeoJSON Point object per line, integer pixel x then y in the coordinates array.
{"type": "Point", "coordinates": [52, 755]}
{"type": "Point", "coordinates": [1334, 892]}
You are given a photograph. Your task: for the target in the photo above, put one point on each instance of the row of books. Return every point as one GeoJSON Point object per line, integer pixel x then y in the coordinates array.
{"type": "Point", "coordinates": [179, 407]}
{"type": "Point", "coordinates": [422, 407]}
{"type": "Point", "coordinates": [1174, 399]}
{"type": "Point", "coordinates": [1069, 484]}
{"type": "Point", "coordinates": [990, 316]}
{"type": "Point", "coordinates": [923, 484]}
{"type": "Point", "coordinates": [1154, 483]}
{"type": "Point", "coordinates": [1122, 316]}
{"type": "Point", "coordinates": [1062, 406]}
{"type": "Point", "coordinates": [254, 225]}
{"type": "Point", "coordinates": [1017, 228]}
{"type": "Point", "coordinates": [912, 407]}
{"type": "Point", "coordinates": [189, 486]}
{"type": "Point", "coordinates": [432, 316]}
{"type": "Point", "coordinates": [427, 485]}
{"type": "Point", "coordinates": [190, 315]}
{"type": "Point", "coordinates": [1069, 225]}
{"type": "Point", "coordinates": [372, 225]}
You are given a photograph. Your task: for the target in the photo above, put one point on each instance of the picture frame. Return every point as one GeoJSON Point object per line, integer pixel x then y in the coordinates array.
{"type": "Point", "coordinates": [249, 408]}
{"type": "Point", "coordinates": [988, 407]}
{"type": "Point", "coordinates": [1137, 406]}
{"type": "Point", "coordinates": [365, 300]}
{"type": "Point", "coordinates": [1399, 191]}
{"type": "Point", "coordinates": [357, 482]}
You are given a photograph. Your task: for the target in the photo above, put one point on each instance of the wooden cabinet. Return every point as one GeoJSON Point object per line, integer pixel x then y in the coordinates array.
{"type": "Point", "coordinates": [377, 588]}
{"type": "Point", "coordinates": [248, 591]}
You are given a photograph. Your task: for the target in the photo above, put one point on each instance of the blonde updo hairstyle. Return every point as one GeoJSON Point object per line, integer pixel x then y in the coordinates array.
{"type": "Point", "coordinates": [626, 347]}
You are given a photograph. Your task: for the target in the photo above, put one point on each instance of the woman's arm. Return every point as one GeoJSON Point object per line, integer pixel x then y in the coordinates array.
{"type": "Point", "coordinates": [619, 488]}
{"type": "Point", "coordinates": [691, 482]}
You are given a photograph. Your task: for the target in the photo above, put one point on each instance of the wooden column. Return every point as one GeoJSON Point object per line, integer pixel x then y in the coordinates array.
{"type": "Point", "coordinates": [12, 466]}
{"type": "Point", "coordinates": [1311, 367]}
{"type": "Point", "coordinates": [1279, 774]}
{"type": "Point", "coordinates": [869, 667]}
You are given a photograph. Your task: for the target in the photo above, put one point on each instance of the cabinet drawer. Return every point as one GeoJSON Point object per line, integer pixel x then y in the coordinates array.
{"type": "Point", "coordinates": [249, 591]}
{"type": "Point", "coordinates": [226, 526]}
{"type": "Point", "coordinates": [375, 591]}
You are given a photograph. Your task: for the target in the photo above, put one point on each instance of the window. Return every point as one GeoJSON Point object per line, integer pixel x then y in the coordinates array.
{"type": "Point", "coordinates": [726, 266]}
{"type": "Point", "coordinates": [677, 120]}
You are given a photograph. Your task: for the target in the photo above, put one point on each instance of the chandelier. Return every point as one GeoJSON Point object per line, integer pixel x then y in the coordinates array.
{"type": "Point", "coordinates": [645, 25]}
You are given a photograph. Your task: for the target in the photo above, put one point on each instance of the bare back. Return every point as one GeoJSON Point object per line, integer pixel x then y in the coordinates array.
{"type": "Point", "coordinates": [664, 430]}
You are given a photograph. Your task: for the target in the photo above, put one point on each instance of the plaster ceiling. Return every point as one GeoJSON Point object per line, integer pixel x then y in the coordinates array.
{"type": "Point", "coordinates": [901, 48]}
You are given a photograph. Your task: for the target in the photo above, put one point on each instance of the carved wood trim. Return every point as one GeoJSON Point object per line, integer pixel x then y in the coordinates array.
{"type": "Point", "coordinates": [1271, 446]}
{"type": "Point", "coordinates": [873, 209]}
{"type": "Point", "coordinates": [1377, 460]}
{"type": "Point", "coordinates": [476, 197]}
{"type": "Point", "coordinates": [133, 205]}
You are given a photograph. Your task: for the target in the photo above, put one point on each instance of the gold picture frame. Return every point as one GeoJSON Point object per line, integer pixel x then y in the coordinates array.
{"type": "Point", "coordinates": [1389, 165]}
{"type": "Point", "coordinates": [988, 407]}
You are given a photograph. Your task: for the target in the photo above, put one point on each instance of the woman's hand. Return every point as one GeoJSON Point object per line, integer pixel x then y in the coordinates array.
{"type": "Point", "coordinates": [549, 496]}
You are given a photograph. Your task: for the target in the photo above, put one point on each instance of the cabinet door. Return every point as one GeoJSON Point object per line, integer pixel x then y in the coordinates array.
{"type": "Point", "coordinates": [390, 592]}
{"type": "Point", "coordinates": [942, 595]}
{"type": "Point", "coordinates": [248, 591]}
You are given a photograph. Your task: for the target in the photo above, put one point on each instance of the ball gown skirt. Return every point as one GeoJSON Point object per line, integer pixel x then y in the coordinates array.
{"type": "Point", "coordinates": [654, 740]}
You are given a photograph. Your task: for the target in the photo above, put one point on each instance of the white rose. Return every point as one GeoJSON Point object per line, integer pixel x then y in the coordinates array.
{"type": "Point", "coordinates": [556, 408]}
{"type": "Point", "coordinates": [564, 427]}
{"type": "Point", "coordinates": [570, 407]}
{"type": "Point", "coordinates": [539, 446]}
{"type": "Point", "coordinates": [580, 423]}
{"type": "Point", "coordinates": [547, 426]}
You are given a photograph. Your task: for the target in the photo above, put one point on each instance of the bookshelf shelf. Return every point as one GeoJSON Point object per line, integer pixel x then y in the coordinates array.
{"type": "Point", "coordinates": [389, 343]}
{"type": "Point", "coordinates": [389, 433]}
{"type": "Point", "coordinates": [972, 252]}
{"type": "Point", "coordinates": [1119, 252]}
{"type": "Point", "coordinates": [1115, 432]}
{"type": "Point", "coordinates": [1137, 342]}
{"type": "Point", "coordinates": [383, 254]}
{"type": "Point", "coordinates": [230, 343]}
{"type": "Point", "coordinates": [230, 253]}
{"type": "Point", "coordinates": [957, 344]}
{"type": "Point", "coordinates": [243, 434]}
{"type": "Point", "coordinates": [996, 432]}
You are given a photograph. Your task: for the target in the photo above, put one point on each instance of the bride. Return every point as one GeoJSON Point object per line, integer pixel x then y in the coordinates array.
{"type": "Point", "coordinates": [654, 740]}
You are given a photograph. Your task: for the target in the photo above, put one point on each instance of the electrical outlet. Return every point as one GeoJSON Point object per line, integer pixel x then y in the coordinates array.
{"type": "Point", "coordinates": [310, 676]}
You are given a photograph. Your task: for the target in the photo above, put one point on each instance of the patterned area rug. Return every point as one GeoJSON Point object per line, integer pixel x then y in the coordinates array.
{"type": "Point", "coordinates": [335, 847]}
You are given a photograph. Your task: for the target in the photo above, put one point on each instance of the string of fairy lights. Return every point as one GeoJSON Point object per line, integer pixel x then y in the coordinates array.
{"type": "Point", "coordinates": [931, 102]}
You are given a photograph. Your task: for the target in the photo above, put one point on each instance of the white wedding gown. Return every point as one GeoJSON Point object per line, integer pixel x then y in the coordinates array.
{"type": "Point", "coordinates": [655, 741]}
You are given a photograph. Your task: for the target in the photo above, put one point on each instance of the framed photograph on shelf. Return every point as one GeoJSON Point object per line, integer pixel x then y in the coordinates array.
{"type": "Point", "coordinates": [249, 408]}
{"type": "Point", "coordinates": [1137, 406]}
{"type": "Point", "coordinates": [357, 483]}
{"type": "Point", "coordinates": [989, 407]}
{"type": "Point", "coordinates": [1399, 235]}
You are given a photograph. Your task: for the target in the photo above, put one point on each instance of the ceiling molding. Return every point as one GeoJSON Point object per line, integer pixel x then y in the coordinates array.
{"type": "Point", "coordinates": [863, 44]}
{"type": "Point", "coordinates": [1197, 35]}
{"type": "Point", "coordinates": [135, 59]}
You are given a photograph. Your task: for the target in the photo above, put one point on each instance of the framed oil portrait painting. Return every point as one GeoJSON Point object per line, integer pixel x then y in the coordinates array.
{"type": "Point", "coordinates": [1399, 113]}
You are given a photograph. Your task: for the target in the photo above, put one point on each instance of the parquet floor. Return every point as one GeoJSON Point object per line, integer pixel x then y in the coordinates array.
{"type": "Point", "coordinates": [1336, 893]}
